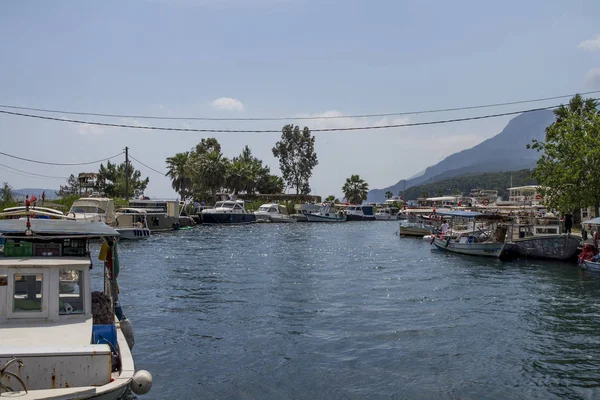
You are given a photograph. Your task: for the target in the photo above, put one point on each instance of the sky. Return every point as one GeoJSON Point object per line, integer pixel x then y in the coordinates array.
{"type": "Point", "coordinates": [280, 58]}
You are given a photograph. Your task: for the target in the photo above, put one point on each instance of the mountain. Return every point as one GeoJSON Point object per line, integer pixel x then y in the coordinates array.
{"type": "Point", "coordinates": [21, 193]}
{"type": "Point", "coordinates": [505, 151]}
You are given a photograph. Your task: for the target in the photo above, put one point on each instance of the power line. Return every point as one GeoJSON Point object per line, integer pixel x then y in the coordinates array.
{"type": "Point", "coordinates": [63, 164]}
{"type": "Point", "coordinates": [30, 173]}
{"type": "Point", "coordinates": [462, 108]}
{"type": "Point", "coordinates": [147, 166]}
{"type": "Point", "coordinates": [354, 128]}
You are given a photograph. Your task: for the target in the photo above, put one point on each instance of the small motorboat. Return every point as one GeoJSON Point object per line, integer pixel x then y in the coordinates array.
{"type": "Point", "coordinates": [327, 213]}
{"type": "Point", "coordinates": [131, 223]}
{"type": "Point", "coordinates": [273, 213]}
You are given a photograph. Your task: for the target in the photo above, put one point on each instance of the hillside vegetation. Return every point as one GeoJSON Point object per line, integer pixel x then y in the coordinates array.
{"type": "Point", "coordinates": [463, 184]}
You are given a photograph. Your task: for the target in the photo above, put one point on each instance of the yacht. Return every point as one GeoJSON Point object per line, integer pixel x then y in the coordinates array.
{"type": "Point", "coordinates": [132, 224]}
{"type": "Point", "coordinates": [273, 213]}
{"type": "Point", "coordinates": [359, 213]}
{"type": "Point", "coordinates": [387, 214]}
{"type": "Point", "coordinates": [228, 212]}
{"type": "Point", "coordinates": [162, 215]}
{"type": "Point", "coordinates": [60, 339]}
{"type": "Point", "coordinates": [93, 209]}
{"type": "Point", "coordinates": [302, 210]}
{"type": "Point", "coordinates": [327, 213]}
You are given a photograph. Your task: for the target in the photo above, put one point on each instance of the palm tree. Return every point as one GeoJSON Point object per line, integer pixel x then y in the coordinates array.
{"type": "Point", "coordinates": [355, 189]}
{"type": "Point", "coordinates": [177, 167]}
{"type": "Point", "coordinates": [211, 169]}
{"type": "Point", "coordinates": [237, 174]}
{"type": "Point", "coordinates": [389, 195]}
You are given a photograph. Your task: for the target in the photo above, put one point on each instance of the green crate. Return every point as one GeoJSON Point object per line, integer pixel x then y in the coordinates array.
{"type": "Point", "coordinates": [17, 248]}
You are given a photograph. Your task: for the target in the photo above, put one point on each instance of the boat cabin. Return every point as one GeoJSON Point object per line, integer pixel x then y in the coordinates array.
{"type": "Point", "coordinates": [97, 209]}
{"type": "Point", "coordinates": [525, 195]}
{"type": "Point", "coordinates": [169, 207]}
{"type": "Point", "coordinates": [273, 209]}
{"type": "Point", "coordinates": [46, 297]}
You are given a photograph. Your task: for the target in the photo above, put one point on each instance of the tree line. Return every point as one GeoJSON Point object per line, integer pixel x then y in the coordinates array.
{"type": "Point", "coordinates": [204, 171]}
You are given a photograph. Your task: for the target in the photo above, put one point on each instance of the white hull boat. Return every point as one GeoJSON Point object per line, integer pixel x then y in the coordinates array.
{"type": "Point", "coordinates": [591, 266]}
{"type": "Point", "coordinates": [60, 340]}
{"type": "Point", "coordinates": [273, 213]}
{"type": "Point", "coordinates": [415, 229]}
{"type": "Point", "coordinates": [327, 213]}
{"type": "Point", "coordinates": [132, 224]}
{"type": "Point", "coordinates": [465, 247]}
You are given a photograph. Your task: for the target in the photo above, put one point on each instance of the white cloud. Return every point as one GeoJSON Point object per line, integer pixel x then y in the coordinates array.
{"type": "Point", "coordinates": [592, 44]}
{"type": "Point", "coordinates": [593, 77]}
{"type": "Point", "coordinates": [331, 121]}
{"type": "Point", "coordinates": [228, 104]}
{"type": "Point", "coordinates": [91, 129]}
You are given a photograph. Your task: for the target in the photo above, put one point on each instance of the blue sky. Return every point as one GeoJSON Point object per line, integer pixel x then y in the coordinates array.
{"type": "Point", "coordinates": [274, 58]}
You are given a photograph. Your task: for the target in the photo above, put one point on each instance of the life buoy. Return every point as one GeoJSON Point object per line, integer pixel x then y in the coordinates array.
{"type": "Point", "coordinates": [486, 202]}
{"type": "Point", "coordinates": [538, 196]}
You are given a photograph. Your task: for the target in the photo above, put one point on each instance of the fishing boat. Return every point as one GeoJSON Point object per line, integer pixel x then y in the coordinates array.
{"type": "Point", "coordinates": [327, 213]}
{"type": "Point", "coordinates": [228, 212]}
{"type": "Point", "coordinates": [487, 242]}
{"type": "Point", "coordinates": [359, 213]}
{"type": "Point", "coordinates": [273, 213]}
{"type": "Point", "coordinates": [59, 339]}
{"type": "Point", "coordinates": [132, 224]}
{"type": "Point", "coordinates": [538, 237]}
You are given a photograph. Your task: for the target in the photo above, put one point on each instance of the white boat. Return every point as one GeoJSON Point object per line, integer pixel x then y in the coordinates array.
{"type": "Point", "coordinates": [386, 214]}
{"type": "Point", "coordinates": [93, 209]}
{"type": "Point", "coordinates": [479, 242]}
{"type": "Point", "coordinates": [131, 223]}
{"type": "Point", "coordinates": [591, 265]}
{"type": "Point", "coordinates": [359, 213]}
{"type": "Point", "coordinates": [327, 213]}
{"type": "Point", "coordinates": [302, 210]}
{"type": "Point", "coordinates": [59, 339]}
{"type": "Point", "coordinates": [415, 229]}
{"type": "Point", "coordinates": [228, 212]}
{"type": "Point", "coordinates": [39, 212]}
{"type": "Point", "coordinates": [273, 213]}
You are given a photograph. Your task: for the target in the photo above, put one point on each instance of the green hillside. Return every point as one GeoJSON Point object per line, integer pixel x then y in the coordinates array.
{"type": "Point", "coordinates": [463, 184]}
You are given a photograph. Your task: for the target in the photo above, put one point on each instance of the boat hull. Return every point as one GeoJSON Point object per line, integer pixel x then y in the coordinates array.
{"type": "Point", "coordinates": [352, 217]}
{"type": "Point", "coordinates": [473, 249]}
{"type": "Point", "coordinates": [227, 218]}
{"type": "Point", "coordinates": [325, 218]}
{"type": "Point", "coordinates": [591, 266]}
{"type": "Point", "coordinates": [133, 233]}
{"type": "Point", "coordinates": [418, 231]}
{"type": "Point", "coordinates": [556, 247]}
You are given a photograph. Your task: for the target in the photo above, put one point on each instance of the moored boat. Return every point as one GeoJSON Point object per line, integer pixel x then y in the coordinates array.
{"type": "Point", "coordinates": [162, 215]}
{"type": "Point", "coordinates": [386, 214]}
{"type": "Point", "coordinates": [359, 213]}
{"type": "Point", "coordinates": [486, 242]}
{"type": "Point", "coordinates": [60, 340]}
{"type": "Point", "coordinates": [228, 212]}
{"type": "Point", "coordinates": [327, 213]}
{"type": "Point", "coordinates": [417, 229]}
{"type": "Point", "coordinates": [273, 213]}
{"type": "Point", "coordinates": [131, 223]}
{"type": "Point", "coordinates": [591, 265]}
{"type": "Point", "coordinates": [94, 209]}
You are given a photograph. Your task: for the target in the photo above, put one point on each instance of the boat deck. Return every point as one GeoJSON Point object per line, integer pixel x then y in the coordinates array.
{"type": "Point", "coordinates": [76, 332]}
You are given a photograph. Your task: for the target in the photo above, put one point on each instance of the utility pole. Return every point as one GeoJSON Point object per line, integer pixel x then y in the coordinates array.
{"type": "Point", "coordinates": [126, 173]}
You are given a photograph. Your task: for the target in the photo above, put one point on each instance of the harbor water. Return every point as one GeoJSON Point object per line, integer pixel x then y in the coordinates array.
{"type": "Point", "coordinates": [352, 311]}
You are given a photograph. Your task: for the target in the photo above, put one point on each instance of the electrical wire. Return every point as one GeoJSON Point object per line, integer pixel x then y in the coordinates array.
{"type": "Point", "coordinates": [462, 108]}
{"type": "Point", "coordinates": [63, 164]}
{"type": "Point", "coordinates": [147, 166]}
{"type": "Point", "coordinates": [343, 129]}
{"type": "Point", "coordinates": [31, 173]}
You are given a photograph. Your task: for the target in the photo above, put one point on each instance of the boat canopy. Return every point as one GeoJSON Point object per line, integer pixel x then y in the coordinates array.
{"type": "Point", "coordinates": [57, 227]}
{"type": "Point", "coordinates": [130, 210]}
{"type": "Point", "coordinates": [444, 198]}
{"type": "Point", "coordinates": [468, 214]}
{"type": "Point", "coordinates": [595, 221]}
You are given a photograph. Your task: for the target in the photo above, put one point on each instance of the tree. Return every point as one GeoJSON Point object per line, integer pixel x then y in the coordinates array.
{"type": "Point", "coordinates": [297, 157]}
{"type": "Point", "coordinates": [270, 184]}
{"type": "Point", "coordinates": [71, 188]}
{"type": "Point", "coordinates": [6, 197]}
{"type": "Point", "coordinates": [178, 171]}
{"type": "Point", "coordinates": [208, 168]}
{"type": "Point", "coordinates": [330, 198]}
{"type": "Point", "coordinates": [355, 189]}
{"type": "Point", "coordinates": [567, 170]}
{"type": "Point", "coordinates": [112, 180]}
{"type": "Point", "coordinates": [389, 195]}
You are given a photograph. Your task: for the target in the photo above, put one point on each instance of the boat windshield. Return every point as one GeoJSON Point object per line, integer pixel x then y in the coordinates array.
{"type": "Point", "coordinates": [263, 208]}
{"type": "Point", "coordinates": [87, 209]}
{"type": "Point", "coordinates": [227, 205]}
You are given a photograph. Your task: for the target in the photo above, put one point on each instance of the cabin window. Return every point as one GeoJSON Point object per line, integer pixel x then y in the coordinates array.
{"type": "Point", "coordinates": [27, 292]}
{"type": "Point", "coordinates": [70, 291]}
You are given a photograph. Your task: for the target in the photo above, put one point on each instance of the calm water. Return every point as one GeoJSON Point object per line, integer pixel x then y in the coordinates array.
{"type": "Point", "coordinates": [351, 311]}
